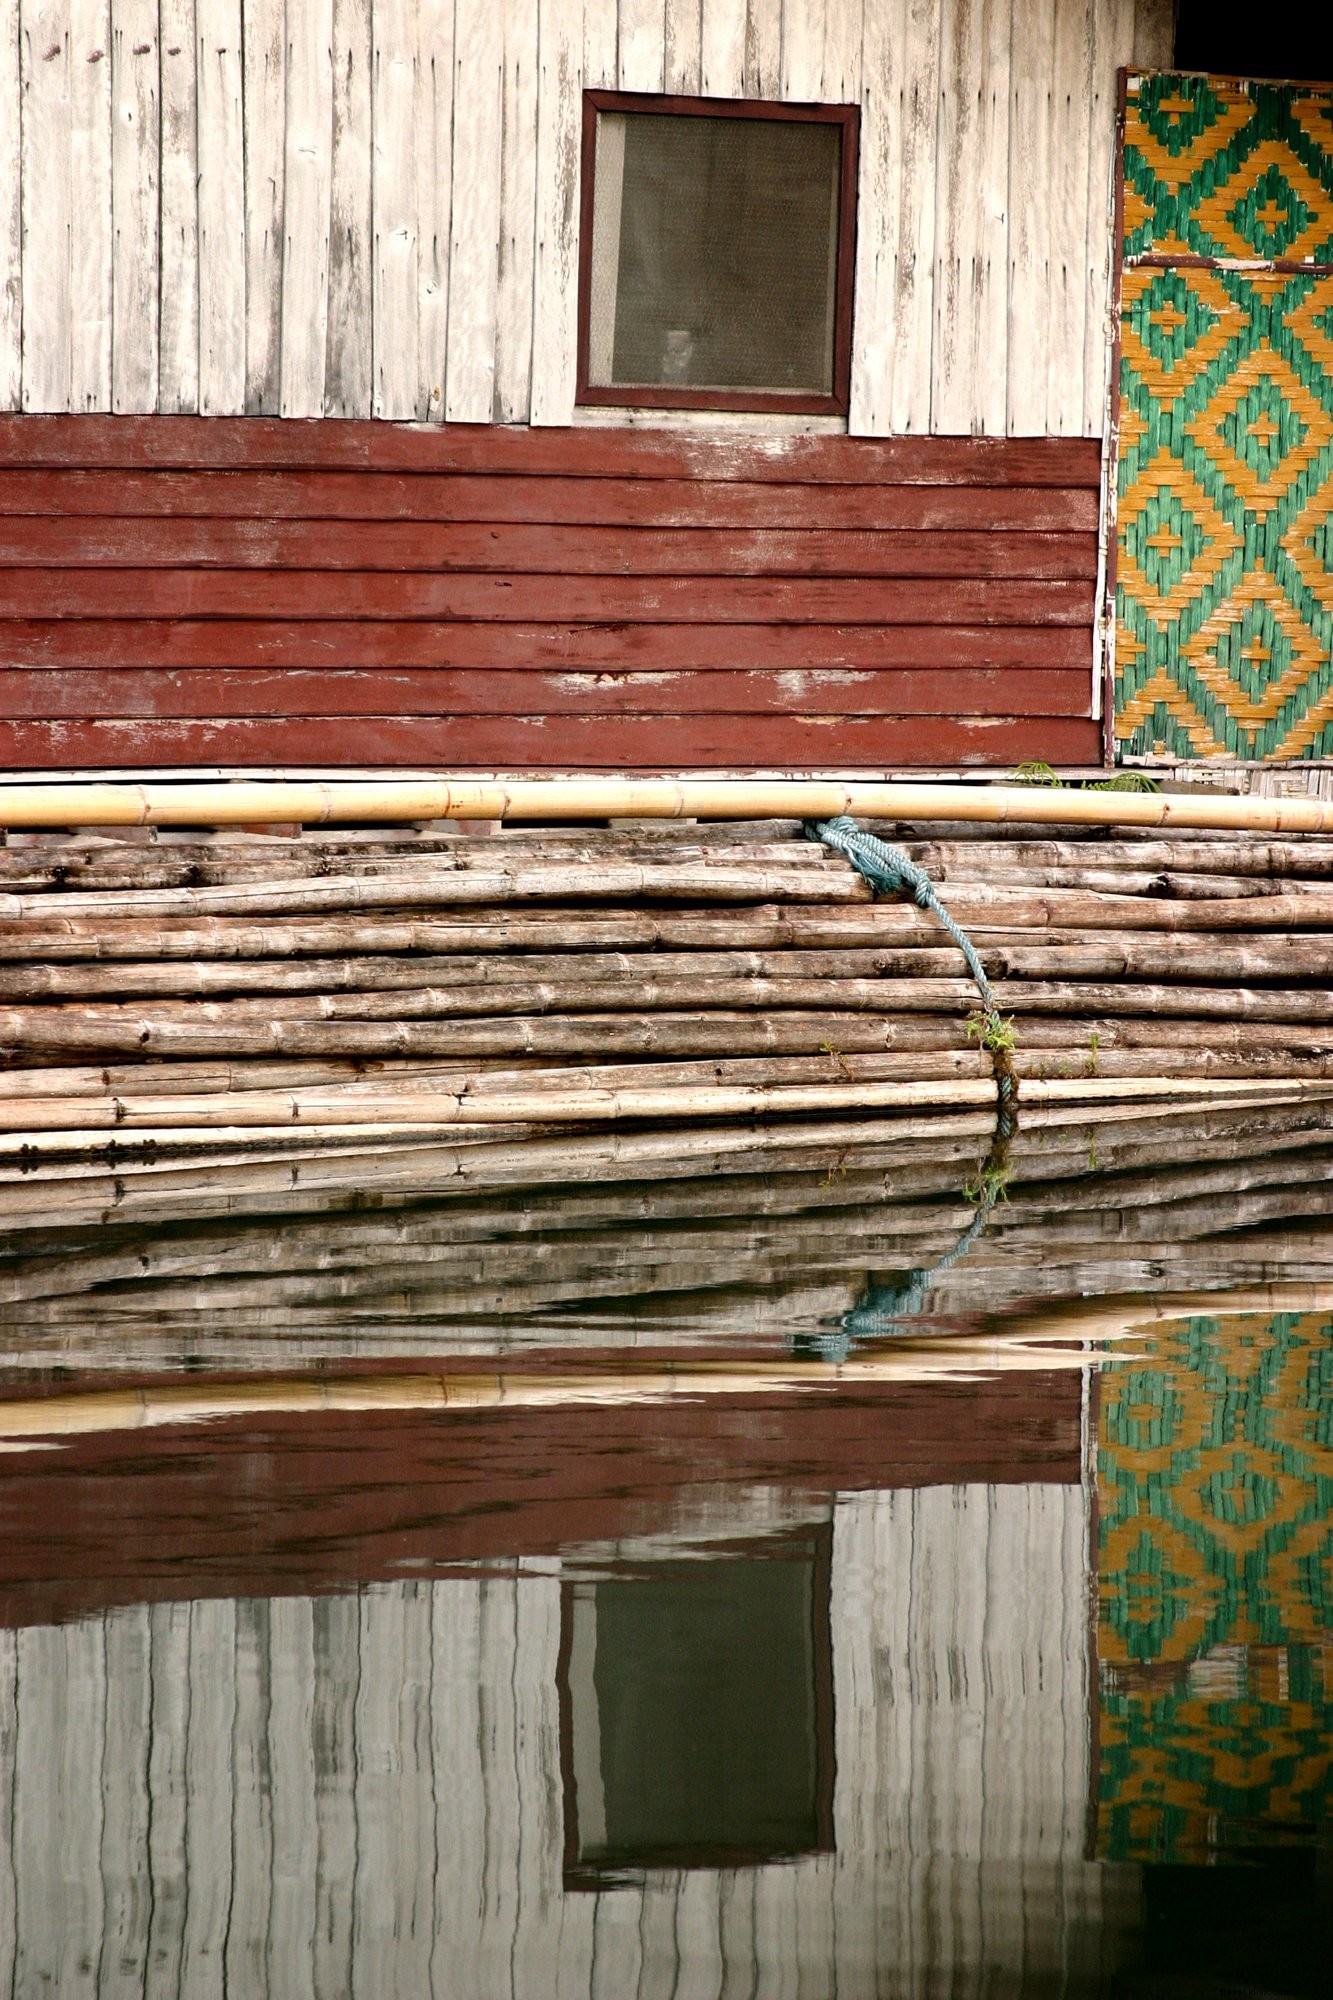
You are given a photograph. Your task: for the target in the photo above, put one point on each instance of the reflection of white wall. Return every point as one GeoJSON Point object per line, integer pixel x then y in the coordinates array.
{"type": "Point", "coordinates": [361, 1795]}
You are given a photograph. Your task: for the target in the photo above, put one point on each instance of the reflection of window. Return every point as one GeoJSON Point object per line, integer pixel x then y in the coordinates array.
{"type": "Point", "coordinates": [716, 254]}
{"type": "Point", "coordinates": [696, 1713]}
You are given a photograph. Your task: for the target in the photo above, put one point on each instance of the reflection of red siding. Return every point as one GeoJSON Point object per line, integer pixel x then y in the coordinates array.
{"type": "Point", "coordinates": [250, 591]}
{"type": "Point", "coordinates": [302, 1504]}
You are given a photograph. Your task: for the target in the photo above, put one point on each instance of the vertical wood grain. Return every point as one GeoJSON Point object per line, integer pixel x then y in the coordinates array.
{"type": "Point", "coordinates": [1067, 209]}
{"type": "Point", "coordinates": [11, 210]}
{"type": "Point", "coordinates": [252, 1803]}
{"type": "Point", "coordinates": [601, 55]}
{"type": "Point", "coordinates": [1031, 163]}
{"type": "Point", "coordinates": [178, 302]}
{"type": "Point", "coordinates": [335, 1636]}
{"type": "Point", "coordinates": [347, 359]}
{"type": "Point", "coordinates": [913, 328]}
{"type": "Point", "coordinates": [126, 1803]}
{"type": "Point", "coordinates": [642, 44]}
{"type": "Point", "coordinates": [682, 53]}
{"type": "Point", "coordinates": [136, 159]}
{"type": "Point", "coordinates": [8, 1753]}
{"type": "Point", "coordinates": [57, 1828]}
{"type": "Point", "coordinates": [518, 215]}
{"type": "Point", "coordinates": [454, 1721]}
{"type": "Point", "coordinates": [474, 251]}
{"type": "Point", "coordinates": [555, 276]}
{"type": "Point", "coordinates": [803, 24]}
{"type": "Point", "coordinates": [970, 372]}
{"type": "Point", "coordinates": [307, 183]}
{"type": "Point", "coordinates": [1154, 34]}
{"type": "Point", "coordinates": [224, 265]}
{"type": "Point", "coordinates": [1113, 48]}
{"type": "Point", "coordinates": [207, 1773]}
{"type": "Point", "coordinates": [45, 204]}
{"type": "Point", "coordinates": [722, 48]}
{"type": "Point", "coordinates": [291, 1758]}
{"type": "Point", "coordinates": [437, 115]}
{"type": "Point", "coordinates": [846, 23]}
{"type": "Point", "coordinates": [265, 61]}
{"type": "Point", "coordinates": [394, 209]}
{"type": "Point", "coordinates": [878, 204]}
{"type": "Point", "coordinates": [90, 212]}
{"type": "Point", "coordinates": [168, 1728]}
{"type": "Point", "coordinates": [763, 48]}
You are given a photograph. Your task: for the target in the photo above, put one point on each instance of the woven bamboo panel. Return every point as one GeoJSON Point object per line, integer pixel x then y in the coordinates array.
{"type": "Point", "coordinates": [1224, 559]}
{"type": "Point", "coordinates": [1215, 1589]}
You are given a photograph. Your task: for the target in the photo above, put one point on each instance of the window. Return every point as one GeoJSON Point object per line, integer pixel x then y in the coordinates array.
{"type": "Point", "coordinates": [696, 1712]}
{"type": "Point", "coordinates": [716, 253]}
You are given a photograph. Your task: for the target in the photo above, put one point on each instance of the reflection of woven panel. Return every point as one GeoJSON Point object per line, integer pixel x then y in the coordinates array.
{"type": "Point", "coordinates": [1224, 596]}
{"type": "Point", "coordinates": [1215, 1588]}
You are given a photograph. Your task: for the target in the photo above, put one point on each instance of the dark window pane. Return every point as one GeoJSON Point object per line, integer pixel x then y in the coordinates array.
{"type": "Point", "coordinates": [714, 252]}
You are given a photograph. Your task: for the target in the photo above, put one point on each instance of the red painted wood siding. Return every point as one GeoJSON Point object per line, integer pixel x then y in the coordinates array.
{"type": "Point", "coordinates": [252, 592]}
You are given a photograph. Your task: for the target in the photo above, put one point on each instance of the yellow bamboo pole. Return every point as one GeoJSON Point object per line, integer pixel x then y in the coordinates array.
{"type": "Point", "coordinates": [317, 803]}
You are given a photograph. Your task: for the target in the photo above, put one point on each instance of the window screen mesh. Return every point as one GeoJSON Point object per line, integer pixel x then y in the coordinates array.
{"type": "Point", "coordinates": [714, 253]}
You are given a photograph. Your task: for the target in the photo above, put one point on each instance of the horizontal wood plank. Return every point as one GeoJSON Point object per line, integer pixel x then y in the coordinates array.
{"type": "Point", "coordinates": [259, 442]}
{"type": "Point", "coordinates": [582, 743]}
{"type": "Point", "coordinates": [578, 501]}
{"type": "Point", "coordinates": [354, 642]}
{"type": "Point", "coordinates": [525, 550]}
{"type": "Point", "coordinates": [51, 694]}
{"type": "Point", "coordinates": [199, 593]}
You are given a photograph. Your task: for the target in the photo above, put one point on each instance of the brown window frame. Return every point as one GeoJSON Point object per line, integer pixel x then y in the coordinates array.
{"type": "Point", "coordinates": [628, 395]}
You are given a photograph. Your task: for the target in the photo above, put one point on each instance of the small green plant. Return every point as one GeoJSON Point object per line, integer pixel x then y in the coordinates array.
{"type": "Point", "coordinates": [990, 1185]}
{"type": "Point", "coordinates": [1094, 1052]}
{"type": "Point", "coordinates": [836, 1055]}
{"type": "Point", "coordinates": [996, 1033]}
{"type": "Point", "coordinates": [1126, 781]}
{"type": "Point", "coordinates": [1036, 773]}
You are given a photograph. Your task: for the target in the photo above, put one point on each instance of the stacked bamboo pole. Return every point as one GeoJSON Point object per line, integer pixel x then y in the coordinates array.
{"type": "Point", "coordinates": [249, 991]}
{"type": "Point", "coordinates": [755, 1243]}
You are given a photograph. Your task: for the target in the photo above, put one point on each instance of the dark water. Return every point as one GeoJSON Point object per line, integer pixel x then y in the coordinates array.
{"type": "Point", "coordinates": [640, 1571]}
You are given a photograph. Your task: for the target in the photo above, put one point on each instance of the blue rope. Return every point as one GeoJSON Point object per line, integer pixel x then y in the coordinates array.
{"type": "Point", "coordinates": [883, 1308]}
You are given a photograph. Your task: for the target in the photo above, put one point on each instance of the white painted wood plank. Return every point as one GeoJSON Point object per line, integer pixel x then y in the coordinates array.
{"type": "Point", "coordinates": [8, 1751]}
{"type": "Point", "coordinates": [168, 1726]}
{"type": "Point", "coordinates": [265, 57]}
{"type": "Point", "coordinates": [460, 1828]}
{"type": "Point", "coordinates": [803, 50]}
{"type": "Point", "coordinates": [877, 220]}
{"type": "Point", "coordinates": [207, 1769]}
{"type": "Point", "coordinates": [178, 306]}
{"type": "Point", "coordinates": [45, 204]}
{"type": "Point", "coordinates": [971, 345]}
{"type": "Point", "coordinates": [394, 204]}
{"type": "Point", "coordinates": [336, 1641]}
{"type": "Point", "coordinates": [415, 1875]}
{"type": "Point", "coordinates": [540, 1845]}
{"type": "Point", "coordinates": [474, 250]}
{"type": "Point", "coordinates": [1031, 160]}
{"type": "Point", "coordinates": [90, 213]}
{"type": "Point", "coordinates": [293, 1778]}
{"type": "Point", "coordinates": [136, 152]}
{"type": "Point", "coordinates": [224, 267]}
{"type": "Point", "coordinates": [435, 194]}
{"type": "Point", "coordinates": [642, 44]}
{"type": "Point", "coordinates": [844, 28]}
{"type": "Point", "coordinates": [1154, 34]}
{"type": "Point", "coordinates": [126, 1807]}
{"type": "Point", "coordinates": [913, 327]}
{"type": "Point", "coordinates": [501, 1802]}
{"type": "Point", "coordinates": [722, 48]}
{"type": "Point", "coordinates": [347, 360]}
{"type": "Point", "coordinates": [11, 211]}
{"type": "Point", "coordinates": [1067, 264]}
{"type": "Point", "coordinates": [307, 180]}
{"type": "Point", "coordinates": [763, 49]}
{"type": "Point", "coordinates": [682, 55]}
{"type": "Point", "coordinates": [601, 57]}
{"type": "Point", "coordinates": [58, 1811]}
{"type": "Point", "coordinates": [1113, 48]}
{"type": "Point", "coordinates": [556, 259]}
{"type": "Point", "coordinates": [252, 1804]}
{"type": "Point", "coordinates": [518, 215]}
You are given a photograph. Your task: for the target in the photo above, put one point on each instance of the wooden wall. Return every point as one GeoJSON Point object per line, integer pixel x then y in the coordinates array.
{"type": "Point", "coordinates": [184, 592]}
{"type": "Point", "coordinates": [369, 207]}
{"type": "Point", "coordinates": [360, 1793]}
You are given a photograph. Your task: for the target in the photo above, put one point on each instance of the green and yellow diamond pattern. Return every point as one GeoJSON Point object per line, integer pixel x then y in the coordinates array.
{"type": "Point", "coordinates": [1215, 1589]}
{"type": "Point", "coordinates": [1224, 570]}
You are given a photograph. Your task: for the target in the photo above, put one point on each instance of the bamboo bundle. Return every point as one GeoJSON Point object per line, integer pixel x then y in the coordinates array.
{"type": "Point", "coordinates": [292, 992]}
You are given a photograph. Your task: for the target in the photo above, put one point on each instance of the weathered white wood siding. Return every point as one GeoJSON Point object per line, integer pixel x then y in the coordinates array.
{"type": "Point", "coordinates": [370, 207]}
{"type": "Point", "coordinates": [361, 1794]}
